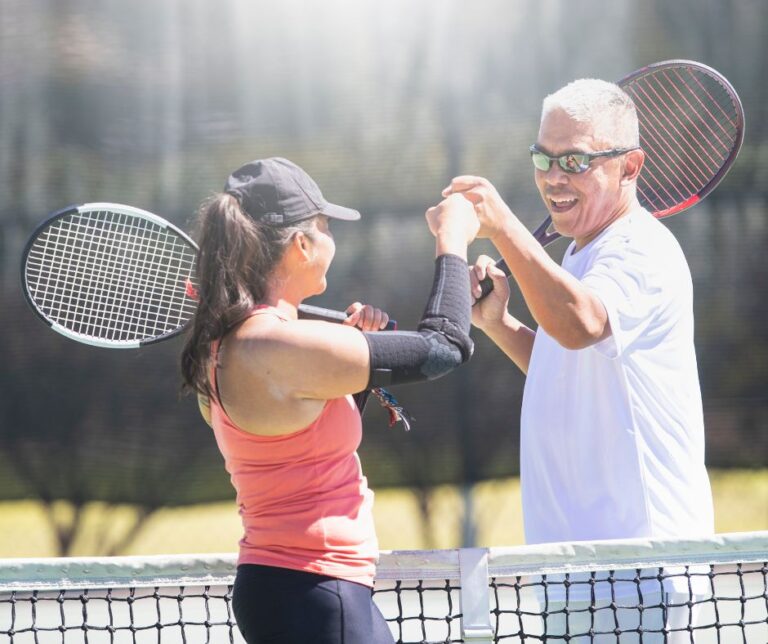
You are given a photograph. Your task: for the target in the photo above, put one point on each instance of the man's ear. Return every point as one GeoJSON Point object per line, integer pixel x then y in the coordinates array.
{"type": "Point", "coordinates": [633, 163]}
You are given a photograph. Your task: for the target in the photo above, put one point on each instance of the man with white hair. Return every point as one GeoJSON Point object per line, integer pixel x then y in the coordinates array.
{"type": "Point", "coordinates": [612, 436]}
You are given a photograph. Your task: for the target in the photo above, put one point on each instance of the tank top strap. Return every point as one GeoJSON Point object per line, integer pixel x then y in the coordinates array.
{"type": "Point", "coordinates": [258, 309]}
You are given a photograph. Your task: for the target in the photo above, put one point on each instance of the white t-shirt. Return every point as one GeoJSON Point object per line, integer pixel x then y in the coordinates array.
{"type": "Point", "coordinates": [612, 436]}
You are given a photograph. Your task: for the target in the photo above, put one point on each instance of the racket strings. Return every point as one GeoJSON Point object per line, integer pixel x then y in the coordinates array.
{"type": "Point", "coordinates": [689, 129]}
{"type": "Point", "coordinates": [76, 304]}
{"type": "Point", "coordinates": [111, 275]}
{"type": "Point", "coordinates": [108, 302]}
{"type": "Point", "coordinates": [672, 131]}
{"type": "Point", "coordinates": [686, 167]}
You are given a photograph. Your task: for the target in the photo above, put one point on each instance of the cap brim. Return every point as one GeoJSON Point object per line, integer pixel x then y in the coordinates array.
{"type": "Point", "coordinates": [340, 212]}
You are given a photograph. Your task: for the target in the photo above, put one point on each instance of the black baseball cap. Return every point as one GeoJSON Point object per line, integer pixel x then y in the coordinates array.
{"type": "Point", "coordinates": [278, 192]}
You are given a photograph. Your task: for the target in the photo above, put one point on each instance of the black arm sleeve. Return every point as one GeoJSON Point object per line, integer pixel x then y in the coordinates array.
{"type": "Point", "coordinates": [441, 342]}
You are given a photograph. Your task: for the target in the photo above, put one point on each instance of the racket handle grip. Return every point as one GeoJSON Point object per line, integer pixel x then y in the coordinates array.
{"type": "Point", "coordinates": [309, 312]}
{"type": "Point", "coordinates": [541, 234]}
{"type": "Point", "coordinates": [486, 285]}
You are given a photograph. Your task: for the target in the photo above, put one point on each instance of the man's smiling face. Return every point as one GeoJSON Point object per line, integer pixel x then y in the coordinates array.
{"type": "Point", "coordinates": [581, 205]}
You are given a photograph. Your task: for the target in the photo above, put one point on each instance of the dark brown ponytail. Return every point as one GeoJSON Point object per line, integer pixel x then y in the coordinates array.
{"type": "Point", "coordinates": [235, 259]}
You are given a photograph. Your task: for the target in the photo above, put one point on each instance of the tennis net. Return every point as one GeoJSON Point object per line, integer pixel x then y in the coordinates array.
{"type": "Point", "coordinates": [645, 591]}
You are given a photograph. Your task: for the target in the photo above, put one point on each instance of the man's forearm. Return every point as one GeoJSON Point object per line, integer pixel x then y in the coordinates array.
{"type": "Point", "coordinates": [561, 306]}
{"type": "Point", "coordinates": [513, 338]}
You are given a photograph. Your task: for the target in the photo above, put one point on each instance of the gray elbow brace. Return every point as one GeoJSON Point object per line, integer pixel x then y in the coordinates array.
{"type": "Point", "coordinates": [441, 342]}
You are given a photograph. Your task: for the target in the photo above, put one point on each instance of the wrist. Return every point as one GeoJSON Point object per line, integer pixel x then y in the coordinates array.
{"type": "Point", "coordinates": [450, 244]}
{"type": "Point", "coordinates": [505, 230]}
{"type": "Point", "coordinates": [494, 326]}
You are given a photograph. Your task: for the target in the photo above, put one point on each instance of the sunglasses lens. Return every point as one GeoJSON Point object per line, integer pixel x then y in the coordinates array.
{"type": "Point", "coordinates": [541, 161]}
{"type": "Point", "coordinates": [574, 163]}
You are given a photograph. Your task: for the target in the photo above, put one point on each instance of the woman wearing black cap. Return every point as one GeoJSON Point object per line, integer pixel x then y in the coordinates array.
{"type": "Point", "coordinates": [276, 391]}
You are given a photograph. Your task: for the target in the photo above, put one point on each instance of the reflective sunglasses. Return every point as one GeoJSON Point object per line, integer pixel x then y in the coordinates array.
{"type": "Point", "coordinates": [573, 162]}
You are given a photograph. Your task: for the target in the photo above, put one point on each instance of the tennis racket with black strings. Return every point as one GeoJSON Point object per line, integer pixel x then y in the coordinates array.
{"type": "Point", "coordinates": [119, 277]}
{"type": "Point", "coordinates": [691, 130]}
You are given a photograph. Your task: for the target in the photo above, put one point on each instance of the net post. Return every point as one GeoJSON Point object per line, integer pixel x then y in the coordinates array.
{"type": "Point", "coordinates": [474, 596]}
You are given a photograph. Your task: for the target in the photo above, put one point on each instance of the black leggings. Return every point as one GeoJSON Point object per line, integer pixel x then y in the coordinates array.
{"type": "Point", "coordinates": [282, 606]}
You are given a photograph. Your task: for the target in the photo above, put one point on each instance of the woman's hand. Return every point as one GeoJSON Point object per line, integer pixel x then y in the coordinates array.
{"type": "Point", "coordinates": [454, 224]}
{"type": "Point", "coordinates": [366, 317]}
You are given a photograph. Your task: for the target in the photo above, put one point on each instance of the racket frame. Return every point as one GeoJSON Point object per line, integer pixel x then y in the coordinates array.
{"type": "Point", "coordinates": [725, 166]}
{"type": "Point", "coordinates": [117, 209]}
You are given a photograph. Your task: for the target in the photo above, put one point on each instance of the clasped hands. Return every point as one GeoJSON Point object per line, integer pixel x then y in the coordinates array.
{"type": "Point", "coordinates": [472, 208]}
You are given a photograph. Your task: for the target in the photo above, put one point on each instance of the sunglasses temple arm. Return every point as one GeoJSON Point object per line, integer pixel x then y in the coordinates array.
{"type": "Point", "coordinates": [541, 235]}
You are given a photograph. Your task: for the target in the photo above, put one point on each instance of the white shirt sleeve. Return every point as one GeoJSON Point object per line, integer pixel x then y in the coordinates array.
{"type": "Point", "coordinates": [629, 283]}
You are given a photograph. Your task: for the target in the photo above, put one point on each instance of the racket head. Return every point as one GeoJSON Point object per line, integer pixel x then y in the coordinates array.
{"type": "Point", "coordinates": [110, 275]}
{"type": "Point", "coordinates": [691, 130]}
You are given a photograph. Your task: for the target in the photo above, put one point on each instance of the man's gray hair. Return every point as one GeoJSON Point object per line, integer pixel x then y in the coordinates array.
{"type": "Point", "coordinates": [605, 105]}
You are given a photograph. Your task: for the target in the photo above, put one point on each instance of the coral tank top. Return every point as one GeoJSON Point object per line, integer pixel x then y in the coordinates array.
{"type": "Point", "coordinates": [302, 497]}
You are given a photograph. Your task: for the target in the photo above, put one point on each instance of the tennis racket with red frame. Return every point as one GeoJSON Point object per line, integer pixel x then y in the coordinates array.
{"type": "Point", "coordinates": [691, 130]}
{"type": "Point", "coordinates": [116, 276]}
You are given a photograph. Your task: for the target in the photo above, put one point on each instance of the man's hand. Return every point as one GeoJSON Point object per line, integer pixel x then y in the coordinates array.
{"type": "Point", "coordinates": [491, 309]}
{"type": "Point", "coordinates": [491, 210]}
